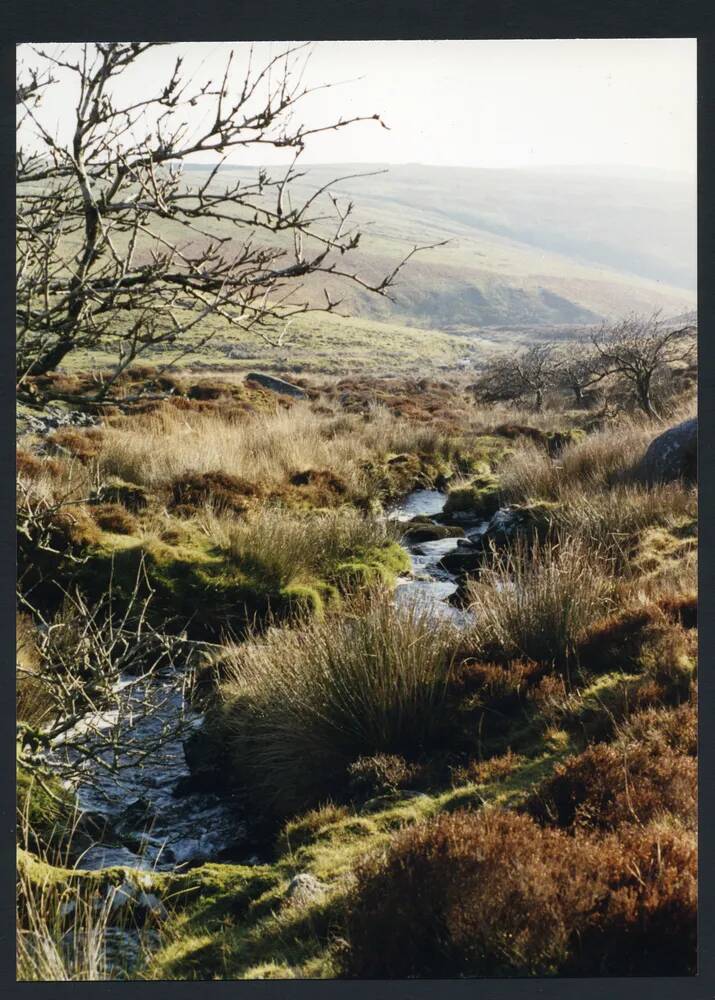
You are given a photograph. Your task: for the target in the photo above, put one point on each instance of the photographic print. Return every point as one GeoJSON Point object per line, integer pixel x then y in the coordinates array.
{"type": "Point", "coordinates": [356, 509]}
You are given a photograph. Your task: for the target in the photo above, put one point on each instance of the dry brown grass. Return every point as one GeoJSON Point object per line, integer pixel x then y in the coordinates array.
{"type": "Point", "coordinates": [266, 449]}
{"type": "Point", "coordinates": [598, 461]}
{"type": "Point", "coordinates": [32, 701]}
{"type": "Point", "coordinates": [537, 599]}
{"type": "Point", "coordinates": [600, 500]}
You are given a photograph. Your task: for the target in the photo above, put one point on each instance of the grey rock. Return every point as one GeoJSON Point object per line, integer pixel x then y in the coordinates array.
{"type": "Point", "coordinates": [276, 384]}
{"type": "Point", "coordinates": [673, 454]}
{"type": "Point", "coordinates": [462, 561]}
{"type": "Point", "coordinates": [304, 888]}
{"type": "Point", "coordinates": [53, 418]}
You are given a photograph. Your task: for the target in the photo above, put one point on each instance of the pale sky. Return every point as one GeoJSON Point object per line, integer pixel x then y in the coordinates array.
{"type": "Point", "coordinates": [491, 103]}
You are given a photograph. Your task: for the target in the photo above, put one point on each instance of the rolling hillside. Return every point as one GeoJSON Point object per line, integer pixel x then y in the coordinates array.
{"type": "Point", "coordinates": [526, 247]}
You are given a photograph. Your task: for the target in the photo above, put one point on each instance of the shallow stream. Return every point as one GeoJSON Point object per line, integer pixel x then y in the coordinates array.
{"type": "Point", "coordinates": [133, 789]}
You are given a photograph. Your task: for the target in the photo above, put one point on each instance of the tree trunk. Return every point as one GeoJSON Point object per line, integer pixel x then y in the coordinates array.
{"type": "Point", "coordinates": [48, 361]}
{"type": "Point", "coordinates": [539, 402]}
{"type": "Point", "coordinates": [644, 398]}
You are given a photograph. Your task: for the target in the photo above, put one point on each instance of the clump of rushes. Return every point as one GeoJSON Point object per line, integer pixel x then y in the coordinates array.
{"type": "Point", "coordinates": [536, 599]}
{"type": "Point", "coordinates": [300, 705]}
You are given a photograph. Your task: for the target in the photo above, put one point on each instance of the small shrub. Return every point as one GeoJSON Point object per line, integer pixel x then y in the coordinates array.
{"type": "Point", "coordinates": [614, 642]}
{"type": "Point", "coordinates": [85, 444]}
{"type": "Point", "coordinates": [218, 490]}
{"type": "Point", "coordinates": [646, 924]}
{"type": "Point", "coordinates": [682, 607]}
{"type": "Point", "coordinates": [114, 517]}
{"type": "Point", "coordinates": [32, 467]}
{"type": "Point", "coordinates": [492, 894]}
{"type": "Point", "coordinates": [673, 728]}
{"type": "Point", "coordinates": [486, 894]}
{"type": "Point", "coordinates": [380, 774]}
{"type": "Point", "coordinates": [320, 478]}
{"type": "Point", "coordinates": [134, 498]}
{"type": "Point", "coordinates": [208, 390]}
{"type": "Point", "coordinates": [606, 786]}
{"type": "Point", "coordinates": [646, 641]}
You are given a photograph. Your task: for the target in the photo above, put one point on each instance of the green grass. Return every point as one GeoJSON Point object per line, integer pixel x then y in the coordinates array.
{"type": "Point", "coordinates": [199, 581]}
{"type": "Point", "coordinates": [317, 343]}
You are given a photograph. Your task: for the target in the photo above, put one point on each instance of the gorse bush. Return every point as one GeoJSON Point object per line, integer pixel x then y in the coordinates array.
{"type": "Point", "coordinates": [493, 894]}
{"type": "Point", "coordinates": [301, 704]}
{"type": "Point", "coordinates": [536, 599]}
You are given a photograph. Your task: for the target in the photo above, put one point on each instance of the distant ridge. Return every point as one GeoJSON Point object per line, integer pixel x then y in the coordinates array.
{"type": "Point", "coordinates": [543, 246]}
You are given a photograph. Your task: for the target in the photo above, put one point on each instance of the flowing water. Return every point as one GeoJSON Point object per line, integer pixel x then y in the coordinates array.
{"type": "Point", "coordinates": [429, 585]}
{"type": "Point", "coordinates": [129, 784]}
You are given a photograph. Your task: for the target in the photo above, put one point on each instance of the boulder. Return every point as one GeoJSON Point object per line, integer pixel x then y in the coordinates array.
{"type": "Point", "coordinates": [304, 888]}
{"type": "Point", "coordinates": [418, 531]}
{"type": "Point", "coordinates": [276, 384]}
{"type": "Point", "coordinates": [673, 454]}
{"type": "Point", "coordinates": [462, 561]}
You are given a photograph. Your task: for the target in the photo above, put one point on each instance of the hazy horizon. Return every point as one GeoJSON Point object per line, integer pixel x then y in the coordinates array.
{"type": "Point", "coordinates": [488, 103]}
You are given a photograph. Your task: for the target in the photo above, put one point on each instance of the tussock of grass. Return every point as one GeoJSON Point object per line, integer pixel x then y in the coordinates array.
{"type": "Point", "coordinates": [290, 545]}
{"type": "Point", "coordinates": [536, 599]}
{"type": "Point", "coordinates": [302, 704]}
{"type": "Point", "coordinates": [594, 462]}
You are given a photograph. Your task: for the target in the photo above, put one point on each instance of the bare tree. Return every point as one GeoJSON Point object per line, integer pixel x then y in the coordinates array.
{"type": "Point", "coordinates": [641, 350]}
{"type": "Point", "coordinates": [579, 368]}
{"type": "Point", "coordinates": [513, 377]}
{"type": "Point", "coordinates": [117, 249]}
